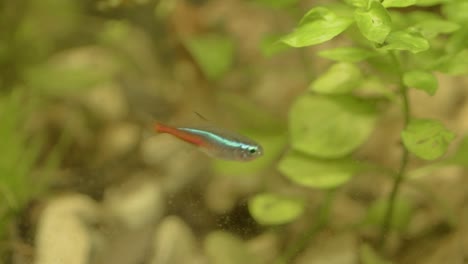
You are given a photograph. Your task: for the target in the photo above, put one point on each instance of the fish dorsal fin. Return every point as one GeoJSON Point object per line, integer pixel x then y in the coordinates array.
{"type": "Point", "coordinates": [201, 116]}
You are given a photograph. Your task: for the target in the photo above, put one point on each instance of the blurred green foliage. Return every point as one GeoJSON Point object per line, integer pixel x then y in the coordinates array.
{"type": "Point", "coordinates": [374, 22]}
{"type": "Point", "coordinates": [391, 46]}
{"type": "Point", "coordinates": [213, 53]}
{"type": "Point", "coordinates": [20, 180]}
{"type": "Point", "coordinates": [427, 139]}
{"type": "Point", "coordinates": [317, 173]}
{"type": "Point", "coordinates": [347, 54]}
{"type": "Point", "coordinates": [400, 219]}
{"type": "Point", "coordinates": [226, 248]}
{"type": "Point", "coordinates": [340, 78]}
{"type": "Point", "coordinates": [330, 126]}
{"type": "Point", "coordinates": [317, 26]}
{"type": "Point", "coordinates": [422, 80]}
{"type": "Point", "coordinates": [334, 118]}
{"type": "Point", "coordinates": [30, 37]}
{"type": "Point", "coordinates": [275, 209]}
{"type": "Point", "coordinates": [367, 255]}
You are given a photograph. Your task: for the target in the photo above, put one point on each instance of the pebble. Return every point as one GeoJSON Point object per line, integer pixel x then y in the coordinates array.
{"type": "Point", "coordinates": [225, 248]}
{"type": "Point", "coordinates": [183, 168]}
{"type": "Point", "coordinates": [265, 247]}
{"type": "Point", "coordinates": [64, 234]}
{"type": "Point", "coordinates": [117, 140]}
{"type": "Point", "coordinates": [157, 149]}
{"type": "Point", "coordinates": [335, 249]}
{"type": "Point", "coordinates": [175, 243]}
{"type": "Point", "coordinates": [135, 203]}
{"type": "Point", "coordinates": [107, 102]}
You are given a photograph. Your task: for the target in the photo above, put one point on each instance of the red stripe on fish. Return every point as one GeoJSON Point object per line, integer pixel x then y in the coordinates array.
{"type": "Point", "coordinates": [186, 136]}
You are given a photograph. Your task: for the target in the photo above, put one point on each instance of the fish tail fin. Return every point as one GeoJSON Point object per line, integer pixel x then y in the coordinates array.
{"type": "Point", "coordinates": [162, 128]}
{"type": "Point", "coordinates": [158, 127]}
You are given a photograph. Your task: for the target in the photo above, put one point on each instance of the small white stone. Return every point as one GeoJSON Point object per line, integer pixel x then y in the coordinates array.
{"type": "Point", "coordinates": [264, 247]}
{"type": "Point", "coordinates": [225, 248]}
{"type": "Point", "coordinates": [338, 249]}
{"type": "Point", "coordinates": [135, 203]}
{"type": "Point", "coordinates": [221, 195]}
{"type": "Point", "coordinates": [174, 243]}
{"type": "Point", "coordinates": [183, 168]}
{"type": "Point", "coordinates": [107, 102]}
{"type": "Point", "coordinates": [117, 140]}
{"type": "Point", "coordinates": [159, 148]}
{"type": "Point", "coordinates": [63, 234]}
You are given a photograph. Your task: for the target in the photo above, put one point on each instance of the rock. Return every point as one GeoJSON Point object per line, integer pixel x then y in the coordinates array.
{"type": "Point", "coordinates": [220, 195]}
{"type": "Point", "coordinates": [264, 247]}
{"type": "Point", "coordinates": [132, 208]}
{"type": "Point", "coordinates": [223, 192]}
{"type": "Point", "coordinates": [346, 211]}
{"type": "Point", "coordinates": [174, 243]}
{"type": "Point", "coordinates": [173, 157]}
{"type": "Point", "coordinates": [118, 140]}
{"type": "Point", "coordinates": [123, 245]}
{"type": "Point", "coordinates": [225, 248]}
{"type": "Point", "coordinates": [177, 175]}
{"type": "Point", "coordinates": [338, 249]}
{"type": "Point", "coordinates": [135, 203]}
{"type": "Point", "coordinates": [64, 234]}
{"type": "Point", "coordinates": [156, 150]}
{"type": "Point", "coordinates": [107, 102]}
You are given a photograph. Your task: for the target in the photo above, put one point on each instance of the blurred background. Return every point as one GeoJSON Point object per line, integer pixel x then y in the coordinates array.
{"type": "Point", "coordinates": [84, 179]}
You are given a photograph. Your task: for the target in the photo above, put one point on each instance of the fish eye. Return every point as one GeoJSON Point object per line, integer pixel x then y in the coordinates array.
{"type": "Point", "coordinates": [252, 151]}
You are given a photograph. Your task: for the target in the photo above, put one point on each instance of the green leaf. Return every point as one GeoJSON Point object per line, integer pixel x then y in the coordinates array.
{"type": "Point", "coordinates": [421, 80]}
{"type": "Point", "coordinates": [376, 86]}
{"type": "Point", "coordinates": [454, 64]}
{"type": "Point", "coordinates": [460, 157]}
{"type": "Point", "coordinates": [358, 3]}
{"type": "Point", "coordinates": [279, 4]}
{"type": "Point", "coordinates": [374, 23]}
{"type": "Point", "coordinates": [398, 3]}
{"type": "Point", "coordinates": [427, 139]}
{"type": "Point", "coordinates": [402, 212]}
{"type": "Point", "coordinates": [225, 248]}
{"type": "Point", "coordinates": [271, 45]}
{"type": "Point", "coordinates": [71, 71]}
{"type": "Point", "coordinates": [317, 26]}
{"type": "Point", "coordinates": [339, 79]}
{"type": "Point", "coordinates": [430, 28]}
{"type": "Point", "coordinates": [431, 2]}
{"type": "Point", "coordinates": [330, 127]}
{"type": "Point", "coordinates": [404, 40]}
{"type": "Point", "coordinates": [275, 209]}
{"type": "Point", "coordinates": [316, 14]}
{"type": "Point", "coordinates": [57, 80]}
{"type": "Point", "coordinates": [368, 255]}
{"type": "Point", "coordinates": [456, 11]}
{"type": "Point", "coordinates": [347, 54]}
{"type": "Point", "coordinates": [213, 53]}
{"type": "Point", "coordinates": [457, 42]}
{"type": "Point", "coordinates": [316, 173]}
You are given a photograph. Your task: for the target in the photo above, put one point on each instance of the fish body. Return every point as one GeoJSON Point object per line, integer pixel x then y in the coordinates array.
{"type": "Point", "coordinates": [216, 142]}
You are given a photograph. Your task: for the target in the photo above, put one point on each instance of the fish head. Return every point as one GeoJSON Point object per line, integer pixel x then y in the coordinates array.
{"type": "Point", "coordinates": [251, 152]}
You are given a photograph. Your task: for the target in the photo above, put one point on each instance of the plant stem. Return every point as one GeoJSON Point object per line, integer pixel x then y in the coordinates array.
{"type": "Point", "coordinates": [387, 221]}
{"type": "Point", "coordinates": [319, 223]}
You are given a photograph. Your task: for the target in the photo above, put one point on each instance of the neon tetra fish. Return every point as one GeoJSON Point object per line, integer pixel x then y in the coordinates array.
{"type": "Point", "coordinates": [215, 142]}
